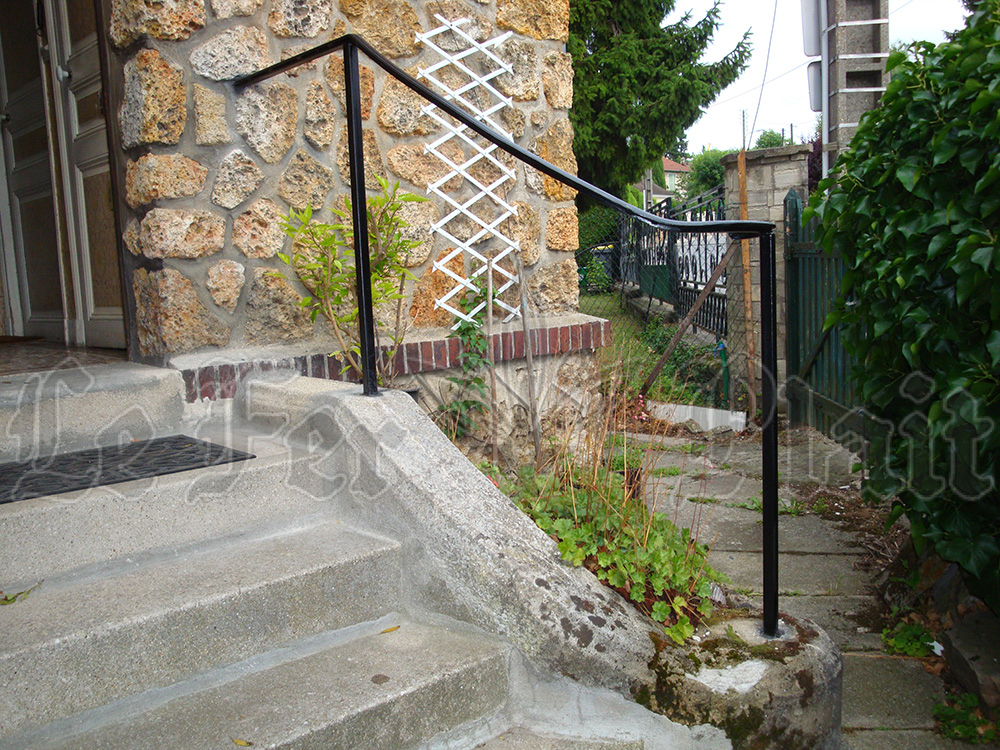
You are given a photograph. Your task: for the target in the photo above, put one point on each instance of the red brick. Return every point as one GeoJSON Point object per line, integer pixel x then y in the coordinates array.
{"type": "Point", "coordinates": [399, 360]}
{"type": "Point", "coordinates": [426, 356]}
{"type": "Point", "coordinates": [440, 355]}
{"type": "Point", "coordinates": [246, 370]}
{"type": "Point", "coordinates": [508, 345]}
{"type": "Point", "coordinates": [596, 331]}
{"type": "Point", "coordinates": [413, 358]}
{"type": "Point", "coordinates": [227, 381]}
{"type": "Point", "coordinates": [553, 334]}
{"type": "Point", "coordinates": [209, 383]}
{"type": "Point", "coordinates": [317, 366]}
{"type": "Point", "coordinates": [302, 365]}
{"type": "Point", "coordinates": [265, 365]}
{"type": "Point", "coordinates": [607, 333]}
{"type": "Point", "coordinates": [564, 339]}
{"type": "Point", "coordinates": [518, 345]}
{"type": "Point", "coordinates": [454, 350]}
{"type": "Point", "coordinates": [190, 385]}
{"type": "Point", "coordinates": [574, 337]}
{"type": "Point", "coordinates": [585, 336]}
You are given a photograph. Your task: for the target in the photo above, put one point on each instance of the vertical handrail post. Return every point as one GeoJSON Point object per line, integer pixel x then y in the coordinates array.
{"type": "Point", "coordinates": [769, 405]}
{"type": "Point", "coordinates": [359, 214]}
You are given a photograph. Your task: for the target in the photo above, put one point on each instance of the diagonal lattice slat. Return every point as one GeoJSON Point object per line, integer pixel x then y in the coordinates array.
{"type": "Point", "coordinates": [483, 101]}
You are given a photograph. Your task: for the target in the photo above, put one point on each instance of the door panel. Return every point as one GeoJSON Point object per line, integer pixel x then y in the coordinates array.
{"type": "Point", "coordinates": [84, 151]}
{"type": "Point", "coordinates": [30, 242]}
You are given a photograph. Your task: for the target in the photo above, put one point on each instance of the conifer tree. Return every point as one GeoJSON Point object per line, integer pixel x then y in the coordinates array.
{"type": "Point", "coordinates": [638, 86]}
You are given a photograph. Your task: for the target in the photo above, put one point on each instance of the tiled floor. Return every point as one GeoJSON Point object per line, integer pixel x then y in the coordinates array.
{"type": "Point", "coordinates": [38, 356]}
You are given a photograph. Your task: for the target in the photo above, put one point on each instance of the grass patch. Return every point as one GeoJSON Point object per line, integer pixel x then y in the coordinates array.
{"type": "Point", "coordinates": [756, 504]}
{"type": "Point", "coordinates": [666, 471]}
{"type": "Point", "coordinates": [703, 500]}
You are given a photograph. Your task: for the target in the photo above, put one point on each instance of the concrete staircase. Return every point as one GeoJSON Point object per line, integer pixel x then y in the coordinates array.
{"type": "Point", "coordinates": [223, 605]}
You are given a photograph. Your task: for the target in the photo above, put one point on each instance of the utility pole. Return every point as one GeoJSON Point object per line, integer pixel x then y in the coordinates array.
{"type": "Point", "coordinates": [744, 113]}
{"type": "Point", "coordinates": [791, 133]}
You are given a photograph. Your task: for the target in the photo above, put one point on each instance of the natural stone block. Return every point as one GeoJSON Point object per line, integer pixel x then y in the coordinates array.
{"type": "Point", "coordinates": [225, 282]}
{"type": "Point", "coordinates": [154, 176]}
{"type": "Point", "coordinates": [334, 74]}
{"type": "Point", "coordinates": [556, 147]}
{"type": "Point", "coordinates": [541, 19]}
{"type": "Point", "coordinates": [305, 182]}
{"type": "Point", "coordinates": [273, 312]}
{"type": "Point", "coordinates": [513, 119]}
{"type": "Point", "coordinates": [557, 79]}
{"type": "Point", "coordinates": [297, 49]}
{"type": "Point", "coordinates": [160, 19]}
{"type": "Point", "coordinates": [210, 127]}
{"type": "Point", "coordinates": [489, 175]}
{"type": "Point", "coordinates": [233, 53]}
{"type": "Point", "coordinates": [257, 232]}
{"type": "Point", "coordinates": [391, 26]}
{"type": "Point", "coordinates": [410, 162]}
{"type": "Point", "coordinates": [522, 82]}
{"type": "Point", "coordinates": [237, 179]}
{"type": "Point", "coordinates": [266, 116]}
{"type": "Point", "coordinates": [556, 287]}
{"type": "Point", "coordinates": [181, 233]}
{"type": "Point", "coordinates": [131, 237]}
{"type": "Point", "coordinates": [372, 158]}
{"type": "Point", "coordinates": [561, 230]}
{"type": "Point", "coordinates": [299, 17]}
{"type": "Point", "coordinates": [539, 118]}
{"type": "Point", "coordinates": [432, 286]}
{"type": "Point", "coordinates": [230, 8]}
{"type": "Point", "coordinates": [479, 27]}
{"type": "Point", "coordinates": [169, 316]}
{"type": "Point", "coordinates": [525, 228]}
{"type": "Point", "coordinates": [418, 218]}
{"type": "Point", "coordinates": [399, 111]}
{"type": "Point", "coordinates": [320, 117]}
{"type": "Point", "coordinates": [153, 104]}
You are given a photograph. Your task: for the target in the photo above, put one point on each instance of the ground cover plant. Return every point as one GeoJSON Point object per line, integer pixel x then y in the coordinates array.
{"type": "Point", "coordinates": [913, 208]}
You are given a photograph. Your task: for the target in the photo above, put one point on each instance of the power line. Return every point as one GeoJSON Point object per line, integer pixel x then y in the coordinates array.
{"type": "Point", "coordinates": [750, 91]}
{"type": "Point", "coordinates": [767, 61]}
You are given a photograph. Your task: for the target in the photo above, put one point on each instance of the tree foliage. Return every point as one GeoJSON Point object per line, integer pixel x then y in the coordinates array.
{"type": "Point", "coordinates": [706, 172]}
{"type": "Point", "coordinates": [638, 85]}
{"type": "Point", "coordinates": [914, 209]}
{"type": "Point", "coordinates": [769, 139]}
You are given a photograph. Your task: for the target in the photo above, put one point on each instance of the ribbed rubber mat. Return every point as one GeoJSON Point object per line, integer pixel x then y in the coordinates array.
{"type": "Point", "coordinates": [96, 467]}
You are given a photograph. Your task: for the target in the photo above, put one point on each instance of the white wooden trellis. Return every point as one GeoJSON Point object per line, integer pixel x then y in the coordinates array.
{"type": "Point", "coordinates": [484, 229]}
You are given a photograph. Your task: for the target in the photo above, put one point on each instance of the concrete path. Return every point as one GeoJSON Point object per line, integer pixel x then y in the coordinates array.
{"type": "Point", "coordinates": [715, 490]}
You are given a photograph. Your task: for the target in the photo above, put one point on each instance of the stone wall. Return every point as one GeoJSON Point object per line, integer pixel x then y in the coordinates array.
{"type": "Point", "coordinates": [771, 173]}
{"type": "Point", "coordinates": [208, 173]}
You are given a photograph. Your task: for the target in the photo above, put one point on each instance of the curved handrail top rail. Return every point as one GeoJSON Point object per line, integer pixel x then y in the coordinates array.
{"type": "Point", "coordinates": [737, 228]}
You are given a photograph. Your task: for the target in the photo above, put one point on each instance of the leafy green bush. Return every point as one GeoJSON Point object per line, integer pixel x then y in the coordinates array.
{"type": "Point", "coordinates": [913, 208]}
{"type": "Point", "coordinates": [641, 554]}
{"type": "Point", "coordinates": [908, 639]}
{"type": "Point", "coordinates": [961, 719]}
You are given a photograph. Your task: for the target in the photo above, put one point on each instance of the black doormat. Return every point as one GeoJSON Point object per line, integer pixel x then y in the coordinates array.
{"type": "Point", "coordinates": [95, 467]}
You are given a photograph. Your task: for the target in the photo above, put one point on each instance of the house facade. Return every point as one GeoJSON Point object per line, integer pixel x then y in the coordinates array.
{"type": "Point", "coordinates": [142, 194]}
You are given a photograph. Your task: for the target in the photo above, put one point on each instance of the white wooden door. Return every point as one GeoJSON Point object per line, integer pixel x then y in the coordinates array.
{"type": "Point", "coordinates": [28, 232]}
{"type": "Point", "coordinates": [83, 147]}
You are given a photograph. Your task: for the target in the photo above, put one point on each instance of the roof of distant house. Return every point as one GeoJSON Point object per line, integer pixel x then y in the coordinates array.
{"type": "Point", "coordinates": [669, 165]}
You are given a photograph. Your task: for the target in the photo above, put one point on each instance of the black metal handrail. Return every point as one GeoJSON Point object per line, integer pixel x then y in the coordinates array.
{"type": "Point", "coordinates": [351, 43]}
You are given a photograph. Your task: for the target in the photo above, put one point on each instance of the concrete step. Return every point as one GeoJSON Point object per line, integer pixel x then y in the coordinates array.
{"type": "Point", "coordinates": [381, 691]}
{"type": "Point", "coordinates": [520, 738]}
{"type": "Point", "coordinates": [57, 411]}
{"type": "Point", "coordinates": [51, 535]}
{"type": "Point", "coordinates": [85, 641]}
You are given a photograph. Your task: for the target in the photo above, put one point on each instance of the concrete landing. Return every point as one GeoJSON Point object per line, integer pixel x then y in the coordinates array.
{"type": "Point", "coordinates": [523, 739]}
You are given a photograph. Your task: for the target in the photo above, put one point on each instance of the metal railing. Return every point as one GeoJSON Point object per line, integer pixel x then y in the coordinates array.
{"type": "Point", "coordinates": [351, 45]}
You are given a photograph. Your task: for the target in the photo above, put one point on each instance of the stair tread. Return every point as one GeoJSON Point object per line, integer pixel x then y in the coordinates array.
{"type": "Point", "coordinates": [520, 738]}
{"type": "Point", "coordinates": [387, 689]}
{"type": "Point", "coordinates": [183, 579]}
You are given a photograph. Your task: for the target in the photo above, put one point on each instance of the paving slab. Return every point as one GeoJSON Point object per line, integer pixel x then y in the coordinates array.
{"type": "Point", "coordinates": [524, 739]}
{"type": "Point", "coordinates": [911, 739]}
{"type": "Point", "coordinates": [810, 459]}
{"type": "Point", "coordinates": [888, 692]}
{"type": "Point", "coordinates": [811, 575]}
{"type": "Point", "coordinates": [836, 614]}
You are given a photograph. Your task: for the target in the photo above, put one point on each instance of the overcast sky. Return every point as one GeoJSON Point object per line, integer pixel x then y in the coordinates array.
{"type": "Point", "coordinates": [785, 101]}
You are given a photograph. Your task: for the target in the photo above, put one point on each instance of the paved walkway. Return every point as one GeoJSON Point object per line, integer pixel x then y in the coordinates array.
{"type": "Point", "coordinates": [888, 700]}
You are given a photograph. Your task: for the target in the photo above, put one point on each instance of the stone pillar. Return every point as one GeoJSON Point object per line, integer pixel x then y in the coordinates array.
{"type": "Point", "coordinates": [208, 173]}
{"type": "Point", "coordinates": [771, 173]}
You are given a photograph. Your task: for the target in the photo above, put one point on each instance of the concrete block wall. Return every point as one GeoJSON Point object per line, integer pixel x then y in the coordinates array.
{"type": "Point", "coordinates": [771, 173]}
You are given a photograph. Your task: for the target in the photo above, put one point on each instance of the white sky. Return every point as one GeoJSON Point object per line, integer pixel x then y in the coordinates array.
{"type": "Point", "coordinates": [785, 99]}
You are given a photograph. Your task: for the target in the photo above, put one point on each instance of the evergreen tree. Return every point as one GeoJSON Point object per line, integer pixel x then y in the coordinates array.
{"type": "Point", "coordinates": [769, 139]}
{"type": "Point", "coordinates": [638, 85]}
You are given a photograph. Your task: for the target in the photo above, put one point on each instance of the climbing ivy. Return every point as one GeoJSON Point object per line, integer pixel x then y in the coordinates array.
{"type": "Point", "coordinates": [913, 208]}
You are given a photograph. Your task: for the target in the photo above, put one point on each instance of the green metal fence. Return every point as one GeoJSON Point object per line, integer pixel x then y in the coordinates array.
{"type": "Point", "coordinates": [819, 389]}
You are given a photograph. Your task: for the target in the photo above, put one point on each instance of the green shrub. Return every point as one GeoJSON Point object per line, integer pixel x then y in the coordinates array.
{"type": "Point", "coordinates": [913, 208]}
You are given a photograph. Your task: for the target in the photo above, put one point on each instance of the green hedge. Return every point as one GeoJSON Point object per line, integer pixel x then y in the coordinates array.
{"type": "Point", "coordinates": [914, 209]}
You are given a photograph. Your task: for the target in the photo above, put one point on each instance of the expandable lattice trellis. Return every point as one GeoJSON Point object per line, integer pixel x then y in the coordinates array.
{"type": "Point", "coordinates": [478, 89]}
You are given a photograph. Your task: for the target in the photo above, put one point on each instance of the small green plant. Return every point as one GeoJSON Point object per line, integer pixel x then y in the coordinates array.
{"type": "Point", "coordinates": [960, 718]}
{"type": "Point", "coordinates": [612, 533]}
{"type": "Point", "coordinates": [689, 449]}
{"type": "Point", "coordinates": [703, 500]}
{"type": "Point", "coordinates": [756, 504]}
{"type": "Point", "coordinates": [632, 459]}
{"type": "Point", "coordinates": [908, 639]}
{"type": "Point", "coordinates": [594, 277]}
{"type": "Point", "coordinates": [666, 471]}
{"type": "Point", "coordinates": [457, 416]}
{"type": "Point", "coordinates": [323, 260]}
{"type": "Point", "coordinates": [20, 596]}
